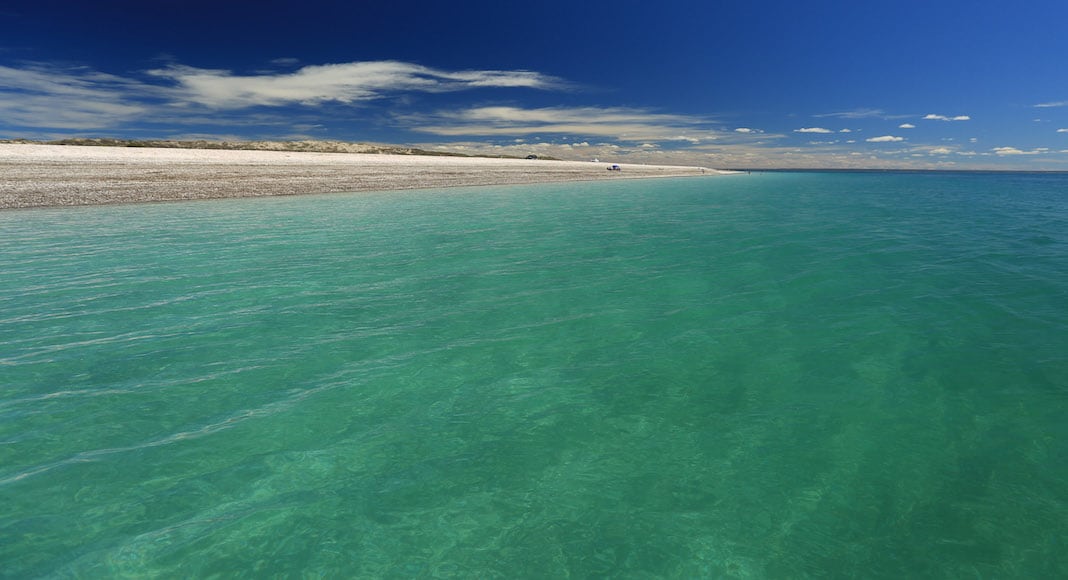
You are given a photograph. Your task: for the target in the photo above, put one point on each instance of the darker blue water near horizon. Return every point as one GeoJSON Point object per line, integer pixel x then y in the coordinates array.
{"type": "Point", "coordinates": [777, 375]}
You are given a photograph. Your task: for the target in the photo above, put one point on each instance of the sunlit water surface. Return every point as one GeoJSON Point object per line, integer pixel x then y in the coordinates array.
{"type": "Point", "coordinates": [778, 375]}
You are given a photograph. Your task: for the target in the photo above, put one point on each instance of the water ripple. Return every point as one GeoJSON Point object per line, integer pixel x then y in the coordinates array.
{"type": "Point", "coordinates": [775, 375]}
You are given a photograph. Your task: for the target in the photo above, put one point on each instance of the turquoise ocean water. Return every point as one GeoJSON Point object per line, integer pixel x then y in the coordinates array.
{"type": "Point", "coordinates": [774, 375]}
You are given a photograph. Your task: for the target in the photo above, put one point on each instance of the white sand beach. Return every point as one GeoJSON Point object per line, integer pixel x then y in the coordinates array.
{"type": "Point", "coordinates": [62, 175]}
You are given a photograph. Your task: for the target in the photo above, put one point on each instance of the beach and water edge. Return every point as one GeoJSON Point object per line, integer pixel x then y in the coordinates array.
{"type": "Point", "coordinates": [37, 175]}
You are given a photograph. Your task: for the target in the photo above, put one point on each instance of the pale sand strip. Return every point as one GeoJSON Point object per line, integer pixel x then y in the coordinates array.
{"type": "Point", "coordinates": [59, 175]}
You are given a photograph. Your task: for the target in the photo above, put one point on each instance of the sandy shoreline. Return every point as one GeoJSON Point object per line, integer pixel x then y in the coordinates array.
{"type": "Point", "coordinates": [59, 175]}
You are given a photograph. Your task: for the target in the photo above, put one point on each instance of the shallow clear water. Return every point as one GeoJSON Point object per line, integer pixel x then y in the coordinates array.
{"type": "Point", "coordinates": [775, 375]}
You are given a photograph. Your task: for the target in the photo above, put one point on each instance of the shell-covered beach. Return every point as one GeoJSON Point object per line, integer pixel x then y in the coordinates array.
{"type": "Point", "coordinates": [58, 175]}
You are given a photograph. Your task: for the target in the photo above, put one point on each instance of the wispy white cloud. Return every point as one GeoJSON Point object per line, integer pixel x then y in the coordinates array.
{"type": "Point", "coordinates": [906, 126]}
{"type": "Point", "coordinates": [1053, 104]}
{"type": "Point", "coordinates": [813, 130]}
{"type": "Point", "coordinates": [933, 150]}
{"type": "Point", "coordinates": [1015, 151]}
{"type": "Point", "coordinates": [861, 114]}
{"type": "Point", "coordinates": [885, 139]}
{"type": "Point", "coordinates": [933, 117]}
{"type": "Point", "coordinates": [616, 122]}
{"type": "Point", "coordinates": [78, 98]}
{"type": "Point", "coordinates": [40, 95]}
{"type": "Point", "coordinates": [343, 83]}
{"type": "Point", "coordinates": [846, 131]}
{"type": "Point", "coordinates": [1062, 130]}
{"type": "Point", "coordinates": [747, 130]}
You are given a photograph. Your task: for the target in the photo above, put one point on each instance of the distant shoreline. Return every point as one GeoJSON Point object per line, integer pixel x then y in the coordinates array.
{"type": "Point", "coordinates": [36, 175]}
{"type": "Point", "coordinates": [900, 170]}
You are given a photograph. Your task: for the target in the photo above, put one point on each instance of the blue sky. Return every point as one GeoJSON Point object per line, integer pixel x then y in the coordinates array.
{"type": "Point", "coordinates": [904, 83]}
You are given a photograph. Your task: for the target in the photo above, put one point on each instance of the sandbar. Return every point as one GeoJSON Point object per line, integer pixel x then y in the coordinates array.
{"type": "Point", "coordinates": [34, 175]}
